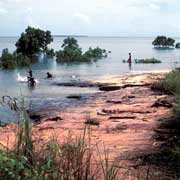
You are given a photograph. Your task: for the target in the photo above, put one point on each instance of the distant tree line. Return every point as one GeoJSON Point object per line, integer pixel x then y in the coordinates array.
{"type": "Point", "coordinates": [165, 42]}
{"type": "Point", "coordinates": [35, 41]}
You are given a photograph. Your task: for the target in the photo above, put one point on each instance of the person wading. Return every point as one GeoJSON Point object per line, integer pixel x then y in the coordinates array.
{"type": "Point", "coordinates": [130, 60]}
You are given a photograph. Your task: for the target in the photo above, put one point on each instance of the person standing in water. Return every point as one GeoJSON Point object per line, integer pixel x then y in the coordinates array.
{"type": "Point", "coordinates": [30, 73]}
{"type": "Point", "coordinates": [129, 60]}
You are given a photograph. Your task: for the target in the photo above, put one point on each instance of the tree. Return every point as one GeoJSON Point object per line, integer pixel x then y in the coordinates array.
{"type": "Point", "coordinates": [163, 42]}
{"type": "Point", "coordinates": [33, 41]}
{"type": "Point", "coordinates": [70, 42]}
{"type": "Point", "coordinates": [178, 45]}
{"type": "Point", "coordinates": [70, 52]}
{"type": "Point", "coordinates": [7, 60]}
{"type": "Point", "coordinates": [95, 53]}
{"type": "Point", "coordinates": [13, 60]}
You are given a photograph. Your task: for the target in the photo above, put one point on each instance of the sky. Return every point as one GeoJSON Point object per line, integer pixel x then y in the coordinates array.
{"type": "Point", "coordinates": [92, 17]}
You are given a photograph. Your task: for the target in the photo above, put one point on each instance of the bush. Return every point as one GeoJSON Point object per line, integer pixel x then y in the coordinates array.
{"type": "Point", "coordinates": [71, 52]}
{"type": "Point", "coordinates": [163, 42]}
{"type": "Point", "coordinates": [50, 52]}
{"type": "Point", "coordinates": [170, 84]}
{"type": "Point", "coordinates": [73, 159]}
{"type": "Point", "coordinates": [178, 45]}
{"type": "Point", "coordinates": [7, 60]}
{"type": "Point", "coordinates": [147, 61]}
{"type": "Point", "coordinates": [11, 61]}
{"type": "Point", "coordinates": [95, 53]}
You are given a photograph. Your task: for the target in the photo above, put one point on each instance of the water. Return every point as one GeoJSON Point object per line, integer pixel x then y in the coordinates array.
{"type": "Point", "coordinates": [46, 95]}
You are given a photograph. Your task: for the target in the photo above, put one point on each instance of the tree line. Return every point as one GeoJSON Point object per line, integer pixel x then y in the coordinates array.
{"type": "Point", "coordinates": [35, 41]}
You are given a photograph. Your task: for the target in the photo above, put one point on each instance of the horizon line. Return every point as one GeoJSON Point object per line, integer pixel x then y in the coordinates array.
{"type": "Point", "coordinates": [85, 36]}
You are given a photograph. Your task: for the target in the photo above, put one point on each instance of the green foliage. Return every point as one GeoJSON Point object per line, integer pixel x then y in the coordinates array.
{"type": "Point", "coordinates": [13, 60]}
{"type": "Point", "coordinates": [95, 53]}
{"type": "Point", "coordinates": [147, 61]}
{"type": "Point", "coordinates": [170, 84]}
{"type": "Point", "coordinates": [163, 42]}
{"type": "Point", "coordinates": [71, 52]}
{"type": "Point", "coordinates": [33, 41]}
{"type": "Point", "coordinates": [7, 60]}
{"type": "Point", "coordinates": [50, 52]}
{"type": "Point", "coordinates": [73, 159]}
{"type": "Point", "coordinates": [177, 45]}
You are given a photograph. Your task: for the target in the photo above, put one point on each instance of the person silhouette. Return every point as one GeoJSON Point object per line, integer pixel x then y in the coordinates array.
{"type": "Point", "coordinates": [49, 76]}
{"type": "Point", "coordinates": [130, 61]}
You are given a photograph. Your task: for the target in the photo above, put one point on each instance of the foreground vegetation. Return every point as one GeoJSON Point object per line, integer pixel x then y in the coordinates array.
{"type": "Point", "coordinates": [169, 128]}
{"type": "Point", "coordinates": [31, 158]}
{"type": "Point", "coordinates": [170, 84]}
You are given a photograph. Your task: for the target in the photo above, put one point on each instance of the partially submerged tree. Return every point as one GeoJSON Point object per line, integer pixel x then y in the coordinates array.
{"type": "Point", "coordinates": [71, 52]}
{"type": "Point", "coordinates": [163, 42]}
{"type": "Point", "coordinates": [95, 53]}
{"type": "Point", "coordinates": [7, 60]}
{"type": "Point", "coordinates": [178, 45]}
{"type": "Point", "coordinates": [33, 41]}
{"type": "Point", "coordinates": [13, 60]}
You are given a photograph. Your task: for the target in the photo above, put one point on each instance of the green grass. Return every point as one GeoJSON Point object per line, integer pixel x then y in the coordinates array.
{"type": "Point", "coordinates": [74, 159]}
{"type": "Point", "coordinates": [169, 155]}
{"type": "Point", "coordinates": [170, 84]}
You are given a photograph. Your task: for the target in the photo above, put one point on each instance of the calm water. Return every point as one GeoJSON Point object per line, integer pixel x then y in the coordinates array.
{"type": "Point", "coordinates": [47, 95]}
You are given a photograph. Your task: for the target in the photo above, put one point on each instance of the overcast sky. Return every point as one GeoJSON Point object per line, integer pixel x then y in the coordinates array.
{"type": "Point", "coordinates": [92, 17]}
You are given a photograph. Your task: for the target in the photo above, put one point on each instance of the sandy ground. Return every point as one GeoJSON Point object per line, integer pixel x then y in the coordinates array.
{"type": "Point", "coordinates": [126, 118]}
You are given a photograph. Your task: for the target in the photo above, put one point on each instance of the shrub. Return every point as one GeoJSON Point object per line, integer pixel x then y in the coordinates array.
{"type": "Point", "coordinates": [95, 53]}
{"type": "Point", "coordinates": [50, 52]}
{"type": "Point", "coordinates": [71, 52]}
{"type": "Point", "coordinates": [178, 45]}
{"type": "Point", "coordinates": [170, 84]}
{"type": "Point", "coordinates": [147, 61]}
{"type": "Point", "coordinates": [13, 60]}
{"type": "Point", "coordinates": [7, 60]}
{"type": "Point", "coordinates": [73, 159]}
{"type": "Point", "coordinates": [163, 42]}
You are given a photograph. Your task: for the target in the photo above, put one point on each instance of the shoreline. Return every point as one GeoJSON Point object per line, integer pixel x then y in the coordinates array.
{"type": "Point", "coordinates": [130, 107]}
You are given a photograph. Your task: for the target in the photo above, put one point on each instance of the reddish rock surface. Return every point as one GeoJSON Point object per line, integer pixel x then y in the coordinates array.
{"type": "Point", "coordinates": [133, 110]}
